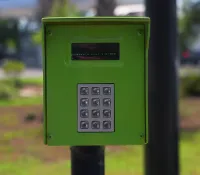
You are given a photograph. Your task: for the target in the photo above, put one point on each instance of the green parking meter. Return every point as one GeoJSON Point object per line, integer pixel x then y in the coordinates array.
{"type": "Point", "coordinates": [95, 80]}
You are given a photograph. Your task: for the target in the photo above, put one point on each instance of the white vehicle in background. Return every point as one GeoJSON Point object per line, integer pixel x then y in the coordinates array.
{"type": "Point", "coordinates": [130, 10]}
{"type": "Point", "coordinates": [123, 10]}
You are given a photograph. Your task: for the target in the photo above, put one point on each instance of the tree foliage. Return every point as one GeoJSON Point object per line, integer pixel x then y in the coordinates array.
{"type": "Point", "coordinates": [189, 22]}
{"type": "Point", "coordinates": [106, 7]}
{"type": "Point", "coordinates": [60, 8]}
{"type": "Point", "coordinates": [63, 8]}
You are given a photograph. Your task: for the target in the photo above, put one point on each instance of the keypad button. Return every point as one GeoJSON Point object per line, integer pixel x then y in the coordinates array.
{"type": "Point", "coordinates": [95, 113]}
{"type": "Point", "coordinates": [107, 102]}
{"type": "Point", "coordinates": [95, 125]}
{"type": "Point", "coordinates": [84, 91]}
{"type": "Point", "coordinates": [107, 125]}
{"type": "Point", "coordinates": [106, 113]}
{"type": "Point", "coordinates": [84, 102]}
{"type": "Point", "coordinates": [84, 113]}
{"type": "Point", "coordinates": [84, 125]}
{"type": "Point", "coordinates": [95, 91]}
{"type": "Point", "coordinates": [106, 90]}
{"type": "Point", "coordinates": [95, 102]}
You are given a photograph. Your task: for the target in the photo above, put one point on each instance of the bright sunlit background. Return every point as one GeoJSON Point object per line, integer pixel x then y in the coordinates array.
{"type": "Point", "coordinates": [21, 115]}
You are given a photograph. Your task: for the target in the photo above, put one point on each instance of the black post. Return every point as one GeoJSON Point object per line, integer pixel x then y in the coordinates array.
{"type": "Point", "coordinates": [87, 160]}
{"type": "Point", "coordinates": [161, 153]}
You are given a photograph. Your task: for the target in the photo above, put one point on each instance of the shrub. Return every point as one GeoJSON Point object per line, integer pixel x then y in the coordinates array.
{"type": "Point", "coordinates": [30, 117]}
{"type": "Point", "coordinates": [190, 85]}
{"type": "Point", "coordinates": [7, 92]}
{"type": "Point", "coordinates": [13, 70]}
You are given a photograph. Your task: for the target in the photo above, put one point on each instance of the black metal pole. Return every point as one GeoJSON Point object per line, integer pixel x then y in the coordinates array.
{"type": "Point", "coordinates": [161, 153]}
{"type": "Point", "coordinates": [87, 160]}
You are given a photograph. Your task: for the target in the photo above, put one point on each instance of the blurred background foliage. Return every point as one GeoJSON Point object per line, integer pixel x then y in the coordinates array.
{"type": "Point", "coordinates": [61, 8]}
{"type": "Point", "coordinates": [189, 23]}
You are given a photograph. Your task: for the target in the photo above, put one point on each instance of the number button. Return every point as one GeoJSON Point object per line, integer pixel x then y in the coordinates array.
{"type": "Point", "coordinates": [106, 90]}
{"type": "Point", "coordinates": [107, 102]}
{"type": "Point", "coordinates": [95, 91]}
{"type": "Point", "coordinates": [84, 113]}
{"type": "Point", "coordinates": [95, 113]}
{"type": "Point", "coordinates": [84, 91]}
{"type": "Point", "coordinates": [84, 102]}
{"type": "Point", "coordinates": [95, 125]}
{"type": "Point", "coordinates": [95, 102]}
{"type": "Point", "coordinates": [106, 113]}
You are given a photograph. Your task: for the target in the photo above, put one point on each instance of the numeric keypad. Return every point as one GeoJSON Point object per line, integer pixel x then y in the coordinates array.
{"type": "Point", "coordinates": [96, 108]}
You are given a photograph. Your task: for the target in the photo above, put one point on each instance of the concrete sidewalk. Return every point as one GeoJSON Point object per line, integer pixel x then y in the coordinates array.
{"type": "Point", "coordinates": [34, 73]}
{"type": "Point", "coordinates": [28, 73]}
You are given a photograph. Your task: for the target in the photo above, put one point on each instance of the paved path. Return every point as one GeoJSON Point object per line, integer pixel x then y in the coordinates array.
{"type": "Point", "coordinates": [189, 70]}
{"type": "Point", "coordinates": [29, 73]}
{"type": "Point", "coordinates": [34, 73]}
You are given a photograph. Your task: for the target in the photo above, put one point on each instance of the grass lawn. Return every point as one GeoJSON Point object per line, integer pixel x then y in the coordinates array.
{"type": "Point", "coordinates": [189, 107]}
{"type": "Point", "coordinates": [22, 150]}
{"type": "Point", "coordinates": [32, 81]}
{"type": "Point", "coordinates": [128, 162]}
{"type": "Point", "coordinates": [22, 101]}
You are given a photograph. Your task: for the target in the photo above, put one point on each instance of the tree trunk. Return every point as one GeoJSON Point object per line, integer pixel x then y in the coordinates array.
{"type": "Point", "coordinates": [44, 8]}
{"type": "Point", "coordinates": [106, 7]}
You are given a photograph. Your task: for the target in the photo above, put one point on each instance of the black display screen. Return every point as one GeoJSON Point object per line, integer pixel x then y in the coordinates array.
{"type": "Point", "coordinates": [95, 51]}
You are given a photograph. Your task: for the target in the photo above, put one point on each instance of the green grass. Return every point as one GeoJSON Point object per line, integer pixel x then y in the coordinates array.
{"type": "Point", "coordinates": [32, 81]}
{"type": "Point", "coordinates": [189, 107]}
{"type": "Point", "coordinates": [22, 101]}
{"type": "Point", "coordinates": [129, 162]}
{"type": "Point", "coordinates": [124, 162]}
{"type": "Point", "coordinates": [19, 101]}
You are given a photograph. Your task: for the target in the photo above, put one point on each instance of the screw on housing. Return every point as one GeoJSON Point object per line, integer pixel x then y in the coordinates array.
{"type": "Point", "coordinates": [142, 135]}
{"type": "Point", "coordinates": [140, 32]}
{"type": "Point", "coordinates": [49, 32]}
{"type": "Point", "coordinates": [49, 136]}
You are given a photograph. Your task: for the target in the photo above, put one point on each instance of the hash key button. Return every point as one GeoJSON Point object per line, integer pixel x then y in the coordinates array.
{"type": "Point", "coordinates": [107, 125]}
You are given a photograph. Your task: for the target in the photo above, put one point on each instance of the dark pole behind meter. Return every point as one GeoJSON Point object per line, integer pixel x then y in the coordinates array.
{"type": "Point", "coordinates": [161, 153]}
{"type": "Point", "coordinates": [87, 160]}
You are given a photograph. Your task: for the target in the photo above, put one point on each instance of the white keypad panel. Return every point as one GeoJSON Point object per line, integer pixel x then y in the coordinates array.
{"type": "Point", "coordinates": [96, 108]}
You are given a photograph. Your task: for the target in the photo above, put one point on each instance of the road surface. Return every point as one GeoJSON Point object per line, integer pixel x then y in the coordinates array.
{"type": "Point", "coordinates": [29, 73]}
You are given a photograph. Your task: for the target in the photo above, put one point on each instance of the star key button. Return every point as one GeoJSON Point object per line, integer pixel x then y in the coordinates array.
{"type": "Point", "coordinates": [84, 125]}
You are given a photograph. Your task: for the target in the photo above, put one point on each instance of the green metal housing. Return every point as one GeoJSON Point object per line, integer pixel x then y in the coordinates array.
{"type": "Point", "coordinates": [129, 74]}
